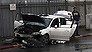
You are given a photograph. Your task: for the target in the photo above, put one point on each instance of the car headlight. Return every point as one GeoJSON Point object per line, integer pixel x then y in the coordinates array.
{"type": "Point", "coordinates": [36, 33]}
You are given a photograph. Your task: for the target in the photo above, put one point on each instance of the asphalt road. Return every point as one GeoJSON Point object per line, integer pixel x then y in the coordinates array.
{"type": "Point", "coordinates": [49, 48]}
{"type": "Point", "coordinates": [80, 45]}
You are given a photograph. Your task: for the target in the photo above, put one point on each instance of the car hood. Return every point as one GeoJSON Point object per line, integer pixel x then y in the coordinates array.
{"type": "Point", "coordinates": [32, 18]}
{"type": "Point", "coordinates": [28, 29]}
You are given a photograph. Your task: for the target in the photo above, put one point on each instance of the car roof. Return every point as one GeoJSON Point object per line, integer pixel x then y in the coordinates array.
{"type": "Point", "coordinates": [52, 16]}
{"type": "Point", "coordinates": [63, 12]}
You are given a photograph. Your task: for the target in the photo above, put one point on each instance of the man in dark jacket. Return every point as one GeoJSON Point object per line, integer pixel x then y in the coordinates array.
{"type": "Point", "coordinates": [76, 17]}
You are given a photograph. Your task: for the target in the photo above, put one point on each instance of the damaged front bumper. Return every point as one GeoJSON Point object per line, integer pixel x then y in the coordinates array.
{"type": "Point", "coordinates": [28, 39]}
{"type": "Point", "coordinates": [28, 35]}
{"type": "Point", "coordinates": [22, 35]}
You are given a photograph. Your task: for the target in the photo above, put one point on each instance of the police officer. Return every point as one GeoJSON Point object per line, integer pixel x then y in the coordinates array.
{"type": "Point", "coordinates": [76, 17]}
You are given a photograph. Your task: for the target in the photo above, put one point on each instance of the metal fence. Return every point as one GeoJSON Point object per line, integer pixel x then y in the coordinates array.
{"type": "Point", "coordinates": [7, 16]}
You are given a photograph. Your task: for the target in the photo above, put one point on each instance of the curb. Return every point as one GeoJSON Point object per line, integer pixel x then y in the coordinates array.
{"type": "Point", "coordinates": [87, 35]}
{"type": "Point", "coordinates": [8, 47]}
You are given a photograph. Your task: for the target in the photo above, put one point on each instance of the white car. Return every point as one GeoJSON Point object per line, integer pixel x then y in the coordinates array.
{"type": "Point", "coordinates": [46, 28]}
{"type": "Point", "coordinates": [66, 14]}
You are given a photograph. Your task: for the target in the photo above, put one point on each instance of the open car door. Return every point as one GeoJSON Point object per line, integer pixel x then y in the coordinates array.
{"type": "Point", "coordinates": [62, 30]}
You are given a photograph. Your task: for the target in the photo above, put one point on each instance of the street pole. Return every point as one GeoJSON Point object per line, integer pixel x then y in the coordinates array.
{"type": "Point", "coordinates": [19, 9]}
{"type": "Point", "coordinates": [49, 6]}
{"type": "Point", "coordinates": [85, 12]}
{"type": "Point", "coordinates": [66, 5]}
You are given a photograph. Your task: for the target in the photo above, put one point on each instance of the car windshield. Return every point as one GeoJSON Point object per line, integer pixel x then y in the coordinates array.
{"type": "Point", "coordinates": [44, 23]}
{"type": "Point", "coordinates": [47, 21]}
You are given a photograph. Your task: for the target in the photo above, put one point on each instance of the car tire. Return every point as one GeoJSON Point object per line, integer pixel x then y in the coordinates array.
{"type": "Point", "coordinates": [45, 39]}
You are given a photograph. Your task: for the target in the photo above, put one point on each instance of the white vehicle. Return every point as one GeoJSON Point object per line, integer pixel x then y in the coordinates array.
{"type": "Point", "coordinates": [46, 27]}
{"type": "Point", "coordinates": [66, 14]}
{"type": "Point", "coordinates": [59, 28]}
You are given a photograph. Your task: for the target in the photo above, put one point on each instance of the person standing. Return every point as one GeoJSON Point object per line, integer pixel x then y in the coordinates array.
{"type": "Point", "coordinates": [76, 18]}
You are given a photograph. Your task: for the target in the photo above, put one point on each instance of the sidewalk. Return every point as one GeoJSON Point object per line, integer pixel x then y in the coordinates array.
{"type": "Point", "coordinates": [83, 31]}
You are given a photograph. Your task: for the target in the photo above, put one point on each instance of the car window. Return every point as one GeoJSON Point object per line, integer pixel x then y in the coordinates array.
{"type": "Point", "coordinates": [62, 21]}
{"type": "Point", "coordinates": [55, 22]}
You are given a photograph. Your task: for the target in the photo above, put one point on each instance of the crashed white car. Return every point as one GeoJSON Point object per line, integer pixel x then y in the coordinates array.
{"type": "Point", "coordinates": [59, 28]}
{"type": "Point", "coordinates": [45, 28]}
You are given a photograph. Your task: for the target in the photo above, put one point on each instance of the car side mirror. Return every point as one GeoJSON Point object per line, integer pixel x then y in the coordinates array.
{"type": "Point", "coordinates": [55, 26]}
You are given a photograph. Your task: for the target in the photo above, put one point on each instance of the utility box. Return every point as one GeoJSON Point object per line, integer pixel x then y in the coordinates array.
{"type": "Point", "coordinates": [89, 21]}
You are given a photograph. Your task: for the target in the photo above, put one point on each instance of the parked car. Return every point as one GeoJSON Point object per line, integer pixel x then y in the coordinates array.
{"type": "Point", "coordinates": [66, 14]}
{"type": "Point", "coordinates": [45, 28]}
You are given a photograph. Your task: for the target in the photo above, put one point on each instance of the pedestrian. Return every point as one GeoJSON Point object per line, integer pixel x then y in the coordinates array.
{"type": "Point", "coordinates": [76, 18]}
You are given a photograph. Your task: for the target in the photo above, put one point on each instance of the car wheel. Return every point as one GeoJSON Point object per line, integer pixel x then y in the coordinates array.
{"type": "Point", "coordinates": [45, 39]}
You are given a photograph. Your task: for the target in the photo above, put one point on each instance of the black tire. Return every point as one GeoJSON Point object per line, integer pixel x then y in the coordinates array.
{"type": "Point", "coordinates": [45, 39]}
